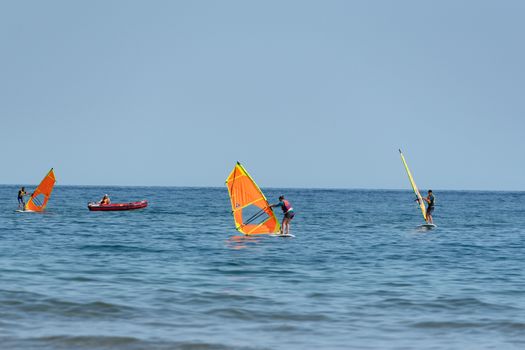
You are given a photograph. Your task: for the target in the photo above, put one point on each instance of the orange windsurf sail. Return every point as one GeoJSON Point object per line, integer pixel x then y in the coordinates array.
{"type": "Point", "coordinates": [40, 196]}
{"type": "Point", "coordinates": [251, 212]}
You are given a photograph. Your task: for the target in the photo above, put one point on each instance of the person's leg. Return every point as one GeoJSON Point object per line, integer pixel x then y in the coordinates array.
{"type": "Point", "coordinates": [290, 217]}
{"type": "Point", "coordinates": [429, 215]}
{"type": "Point", "coordinates": [285, 226]}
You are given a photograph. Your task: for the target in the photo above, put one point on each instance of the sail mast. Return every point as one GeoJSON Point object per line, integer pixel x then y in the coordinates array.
{"type": "Point", "coordinates": [414, 187]}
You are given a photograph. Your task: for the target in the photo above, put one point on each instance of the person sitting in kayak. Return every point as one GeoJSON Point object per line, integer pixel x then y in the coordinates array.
{"type": "Point", "coordinates": [105, 200]}
{"type": "Point", "coordinates": [21, 193]}
{"type": "Point", "coordinates": [288, 214]}
{"type": "Point", "coordinates": [430, 206]}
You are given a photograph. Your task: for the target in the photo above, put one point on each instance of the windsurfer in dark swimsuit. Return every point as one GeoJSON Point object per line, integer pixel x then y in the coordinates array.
{"type": "Point", "coordinates": [430, 206]}
{"type": "Point", "coordinates": [288, 214]}
{"type": "Point", "coordinates": [21, 193]}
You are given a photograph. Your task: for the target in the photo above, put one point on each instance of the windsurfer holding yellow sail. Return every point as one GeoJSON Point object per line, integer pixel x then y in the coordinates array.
{"type": "Point", "coordinates": [288, 214]}
{"type": "Point", "coordinates": [430, 206]}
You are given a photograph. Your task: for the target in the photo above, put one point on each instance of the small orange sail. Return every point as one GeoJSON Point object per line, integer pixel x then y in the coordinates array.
{"type": "Point", "coordinates": [40, 196]}
{"type": "Point", "coordinates": [251, 212]}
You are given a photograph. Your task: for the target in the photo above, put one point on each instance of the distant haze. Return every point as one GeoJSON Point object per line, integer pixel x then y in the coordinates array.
{"type": "Point", "coordinates": [303, 93]}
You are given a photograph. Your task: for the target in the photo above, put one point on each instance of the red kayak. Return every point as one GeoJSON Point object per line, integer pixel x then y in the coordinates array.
{"type": "Point", "coordinates": [117, 206]}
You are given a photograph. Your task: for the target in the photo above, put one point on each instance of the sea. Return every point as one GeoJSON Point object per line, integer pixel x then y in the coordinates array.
{"type": "Point", "coordinates": [359, 274]}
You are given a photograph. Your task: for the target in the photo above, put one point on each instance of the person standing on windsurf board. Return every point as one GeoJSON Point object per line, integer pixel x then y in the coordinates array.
{"type": "Point", "coordinates": [21, 194]}
{"type": "Point", "coordinates": [430, 206]}
{"type": "Point", "coordinates": [288, 214]}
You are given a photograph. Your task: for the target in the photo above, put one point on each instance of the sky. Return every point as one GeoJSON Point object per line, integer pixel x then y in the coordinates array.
{"type": "Point", "coordinates": [303, 93]}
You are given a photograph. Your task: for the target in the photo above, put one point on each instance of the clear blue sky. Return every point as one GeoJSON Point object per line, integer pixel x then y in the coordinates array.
{"type": "Point", "coordinates": [303, 93]}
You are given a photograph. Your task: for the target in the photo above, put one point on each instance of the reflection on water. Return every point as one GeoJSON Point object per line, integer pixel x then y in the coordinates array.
{"type": "Point", "coordinates": [243, 241]}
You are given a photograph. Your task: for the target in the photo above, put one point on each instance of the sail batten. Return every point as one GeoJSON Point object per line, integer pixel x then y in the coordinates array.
{"type": "Point", "coordinates": [43, 191]}
{"type": "Point", "coordinates": [251, 212]}
{"type": "Point", "coordinates": [414, 187]}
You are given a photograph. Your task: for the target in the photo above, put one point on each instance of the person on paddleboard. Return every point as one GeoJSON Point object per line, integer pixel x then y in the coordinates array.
{"type": "Point", "coordinates": [105, 200]}
{"type": "Point", "coordinates": [288, 214]}
{"type": "Point", "coordinates": [21, 193]}
{"type": "Point", "coordinates": [430, 206]}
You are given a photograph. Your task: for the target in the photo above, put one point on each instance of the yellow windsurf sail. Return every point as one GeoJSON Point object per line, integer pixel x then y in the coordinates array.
{"type": "Point", "coordinates": [251, 211]}
{"type": "Point", "coordinates": [414, 187]}
{"type": "Point", "coordinates": [40, 197]}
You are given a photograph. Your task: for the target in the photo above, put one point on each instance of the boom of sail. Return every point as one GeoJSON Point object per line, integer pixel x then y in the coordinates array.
{"type": "Point", "coordinates": [251, 212]}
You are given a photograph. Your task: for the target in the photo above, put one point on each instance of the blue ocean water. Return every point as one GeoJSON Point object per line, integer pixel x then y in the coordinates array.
{"type": "Point", "coordinates": [359, 275]}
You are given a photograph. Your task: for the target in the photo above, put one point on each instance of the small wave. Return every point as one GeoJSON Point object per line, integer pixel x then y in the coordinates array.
{"type": "Point", "coordinates": [237, 271]}
{"type": "Point", "coordinates": [488, 325]}
{"type": "Point", "coordinates": [444, 303]}
{"type": "Point", "coordinates": [447, 324]}
{"type": "Point", "coordinates": [214, 297]}
{"type": "Point", "coordinates": [281, 328]}
{"type": "Point", "coordinates": [89, 341]}
{"type": "Point", "coordinates": [77, 279]}
{"type": "Point", "coordinates": [110, 342]}
{"type": "Point", "coordinates": [120, 248]}
{"type": "Point", "coordinates": [238, 314]}
{"type": "Point", "coordinates": [364, 225]}
{"type": "Point", "coordinates": [397, 284]}
{"type": "Point", "coordinates": [37, 304]}
{"type": "Point", "coordinates": [250, 315]}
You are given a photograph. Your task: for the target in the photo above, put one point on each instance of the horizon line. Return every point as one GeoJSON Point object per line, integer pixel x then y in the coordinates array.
{"type": "Point", "coordinates": [274, 187]}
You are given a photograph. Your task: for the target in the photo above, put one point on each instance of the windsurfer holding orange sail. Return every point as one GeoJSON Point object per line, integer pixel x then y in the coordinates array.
{"type": "Point", "coordinates": [288, 214]}
{"type": "Point", "coordinates": [21, 193]}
